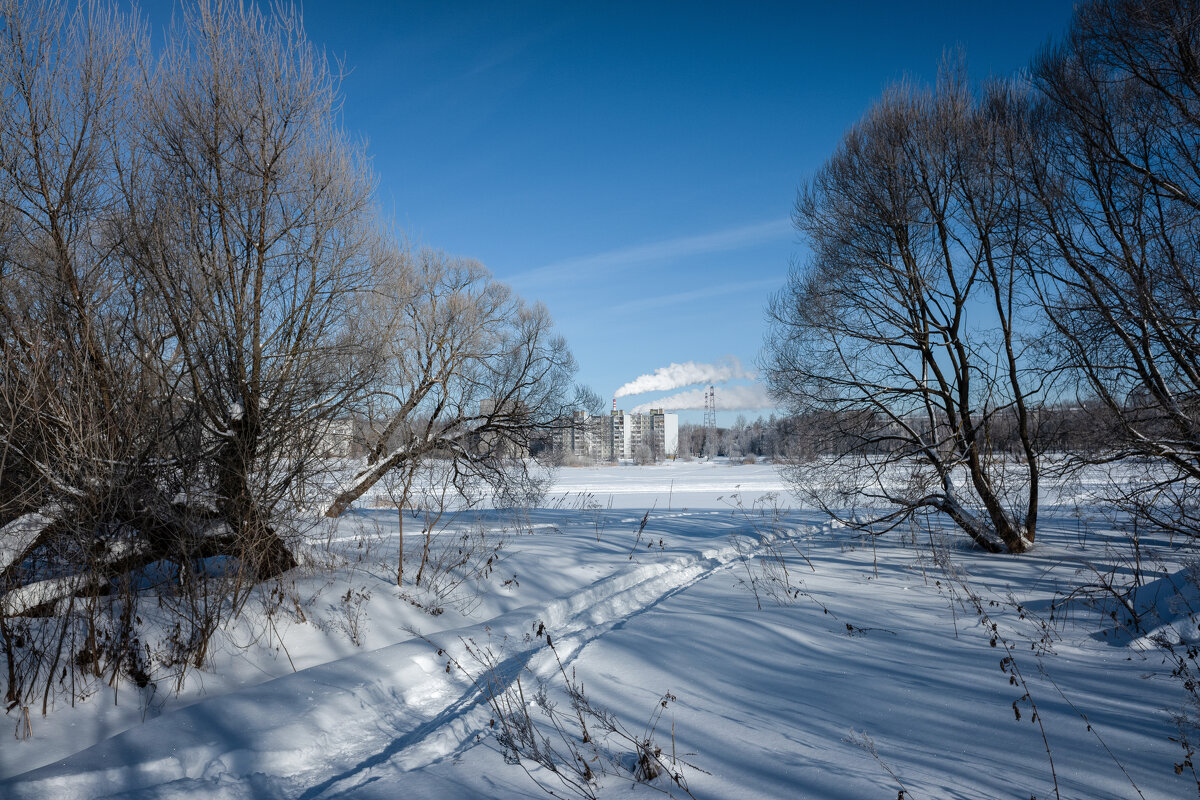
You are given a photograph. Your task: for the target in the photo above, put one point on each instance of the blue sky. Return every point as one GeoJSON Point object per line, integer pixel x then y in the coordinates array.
{"type": "Point", "coordinates": [634, 165]}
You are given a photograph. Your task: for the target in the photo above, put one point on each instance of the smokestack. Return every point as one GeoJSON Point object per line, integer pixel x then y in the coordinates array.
{"type": "Point", "coordinates": [614, 406]}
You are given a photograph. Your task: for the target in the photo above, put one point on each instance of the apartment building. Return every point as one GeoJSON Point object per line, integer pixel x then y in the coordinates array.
{"type": "Point", "coordinates": [617, 436]}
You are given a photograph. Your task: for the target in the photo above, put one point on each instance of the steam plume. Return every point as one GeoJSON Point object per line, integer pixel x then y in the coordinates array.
{"type": "Point", "coordinates": [729, 398]}
{"type": "Point", "coordinates": [676, 376]}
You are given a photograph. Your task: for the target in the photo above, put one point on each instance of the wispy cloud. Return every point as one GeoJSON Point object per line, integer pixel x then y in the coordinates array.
{"type": "Point", "coordinates": [647, 303]}
{"type": "Point", "coordinates": [663, 251]}
{"type": "Point", "coordinates": [729, 398]}
{"type": "Point", "coordinates": [676, 376]}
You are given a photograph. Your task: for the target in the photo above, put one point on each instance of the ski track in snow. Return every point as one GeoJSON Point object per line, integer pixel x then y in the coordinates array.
{"type": "Point", "coordinates": [405, 710]}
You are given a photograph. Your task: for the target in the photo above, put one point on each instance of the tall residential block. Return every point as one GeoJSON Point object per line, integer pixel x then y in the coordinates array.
{"type": "Point", "coordinates": [616, 436]}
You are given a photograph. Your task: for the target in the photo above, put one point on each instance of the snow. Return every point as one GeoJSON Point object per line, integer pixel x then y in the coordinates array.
{"type": "Point", "coordinates": [875, 674]}
{"type": "Point", "coordinates": [16, 536]}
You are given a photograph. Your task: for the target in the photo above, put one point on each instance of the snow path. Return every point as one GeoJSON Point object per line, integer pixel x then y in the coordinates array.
{"type": "Point", "coordinates": [397, 705]}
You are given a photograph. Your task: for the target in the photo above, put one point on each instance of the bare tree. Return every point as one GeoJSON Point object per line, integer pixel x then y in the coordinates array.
{"type": "Point", "coordinates": [471, 375]}
{"type": "Point", "coordinates": [182, 244]}
{"type": "Point", "coordinates": [250, 226]}
{"type": "Point", "coordinates": [62, 71]}
{"type": "Point", "coordinates": [194, 294]}
{"type": "Point", "coordinates": [1113, 163]}
{"type": "Point", "coordinates": [75, 437]}
{"type": "Point", "coordinates": [903, 329]}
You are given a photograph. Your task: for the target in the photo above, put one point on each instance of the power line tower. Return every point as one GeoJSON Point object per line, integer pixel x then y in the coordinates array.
{"type": "Point", "coordinates": [710, 421]}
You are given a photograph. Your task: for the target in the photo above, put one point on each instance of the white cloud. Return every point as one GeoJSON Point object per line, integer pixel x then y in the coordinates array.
{"type": "Point", "coordinates": [729, 398]}
{"type": "Point", "coordinates": [676, 376]}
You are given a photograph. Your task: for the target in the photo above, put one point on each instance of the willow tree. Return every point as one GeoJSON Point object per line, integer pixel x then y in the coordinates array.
{"type": "Point", "coordinates": [249, 223]}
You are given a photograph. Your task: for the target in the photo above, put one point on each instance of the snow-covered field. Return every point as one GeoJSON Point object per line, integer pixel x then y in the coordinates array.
{"type": "Point", "coordinates": [866, 670]}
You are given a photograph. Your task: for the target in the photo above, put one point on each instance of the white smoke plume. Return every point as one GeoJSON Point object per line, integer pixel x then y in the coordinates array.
{"type": "Point", "coordinates": [676, 376]}
{"type": "Point", "coordinates": [729, 398]}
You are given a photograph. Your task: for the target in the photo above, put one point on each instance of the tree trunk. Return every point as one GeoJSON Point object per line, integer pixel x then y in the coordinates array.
{"type": "Point", "coordinates": [362, 483]}
{"type": "Point", "coordinates": [257, 545]}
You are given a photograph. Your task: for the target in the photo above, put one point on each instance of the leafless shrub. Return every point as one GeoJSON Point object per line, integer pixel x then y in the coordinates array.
{"type": "Point", "coordinates": [764, 556]}
{"type": "Point", "coordinates": [353, 613]}
{"type": "Point", "coordinates": [639, 531]}
{"type": "Point", "coordinates": [867, 745]}
{"type": "Point", "coordinates": [460, 559]}
{"type": "Point", "coordinates": [579, 745]}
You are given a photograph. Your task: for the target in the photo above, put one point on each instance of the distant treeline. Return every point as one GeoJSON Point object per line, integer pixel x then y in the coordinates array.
{"type": "Point", "coordinates": [1079, 428]}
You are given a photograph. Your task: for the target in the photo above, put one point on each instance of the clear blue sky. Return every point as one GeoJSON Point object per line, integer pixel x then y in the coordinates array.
{"type": "Point", "coordinates": [634, 165]}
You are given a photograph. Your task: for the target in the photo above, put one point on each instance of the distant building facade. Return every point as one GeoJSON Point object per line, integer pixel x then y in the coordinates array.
{"type": "Point", "coordinates": [616, 436]}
